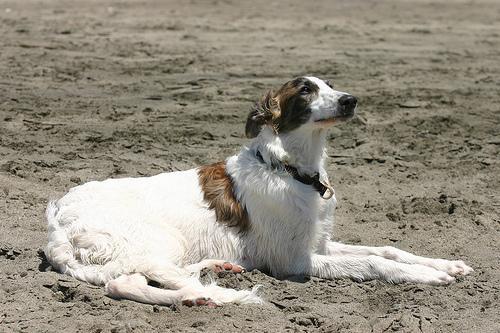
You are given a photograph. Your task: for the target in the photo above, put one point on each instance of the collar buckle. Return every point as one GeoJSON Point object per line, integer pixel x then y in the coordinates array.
{"type": "Point", "coordinates": [329, 190]}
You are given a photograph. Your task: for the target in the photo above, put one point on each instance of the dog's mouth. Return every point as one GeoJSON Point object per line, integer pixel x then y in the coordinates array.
{"type": "Point", "coordinates": [343, 116]}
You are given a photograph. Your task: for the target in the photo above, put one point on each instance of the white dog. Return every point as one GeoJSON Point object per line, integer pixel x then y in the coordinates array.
{"type": "Point", "coordinates": [269, 207]}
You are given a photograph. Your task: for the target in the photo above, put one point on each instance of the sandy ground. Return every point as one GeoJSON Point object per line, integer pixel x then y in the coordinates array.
{"type": "Point", "coordinates": [131, 88]}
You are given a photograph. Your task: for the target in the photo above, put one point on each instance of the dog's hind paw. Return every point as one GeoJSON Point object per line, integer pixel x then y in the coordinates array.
{"type": "Point", "coordinates": [216, 265]}
{"type": "Point", "coordinates": [200, 301]}
{"type": "Point", "coordinates": [228, 267]}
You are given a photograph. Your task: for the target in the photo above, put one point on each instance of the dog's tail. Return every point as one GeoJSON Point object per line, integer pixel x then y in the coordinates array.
{"type": "Point", "coordinates": [65, 258]}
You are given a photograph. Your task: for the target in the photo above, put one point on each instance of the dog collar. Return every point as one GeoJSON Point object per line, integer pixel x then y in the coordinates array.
{"type": "Point", "coordinates": [305, 179]}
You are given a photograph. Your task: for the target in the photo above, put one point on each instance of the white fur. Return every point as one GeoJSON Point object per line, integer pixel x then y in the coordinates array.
{"type": "Point", "coordinates": [123, 232]}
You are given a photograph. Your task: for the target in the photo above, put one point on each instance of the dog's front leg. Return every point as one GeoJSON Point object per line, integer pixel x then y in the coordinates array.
{"type": "Point", "coordinates": [362, 268]}
{"type": "Point", "coordinates": [452, 267]}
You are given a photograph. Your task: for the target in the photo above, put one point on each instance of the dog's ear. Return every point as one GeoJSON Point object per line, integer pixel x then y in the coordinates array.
{"type": "Point", "coordinates": [262, 113]}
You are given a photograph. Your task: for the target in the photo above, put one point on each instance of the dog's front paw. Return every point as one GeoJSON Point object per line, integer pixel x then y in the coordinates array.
{"type": "Point", "coordinates": [425, 274]}
{"type": "Point", "coordinates": [458, 267]}
{"type": "Point", "coordinates": [434, 277]}
{"type": "Point", "coordinates": [452, 267]}
{"type": "Point", "coordinates": [440, 278]}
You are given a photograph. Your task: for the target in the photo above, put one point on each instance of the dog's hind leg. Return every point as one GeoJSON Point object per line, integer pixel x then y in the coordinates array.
{"type": "Point", "coordinates": [189, 287]}
{"type": "Point", "coordinates": [452, 267]}
{"type": "Point", "coordinates": [135, 287]}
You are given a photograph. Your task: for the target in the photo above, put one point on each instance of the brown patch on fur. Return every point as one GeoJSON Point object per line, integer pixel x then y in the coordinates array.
{"type": "Point", "coordinates": [218, 192]}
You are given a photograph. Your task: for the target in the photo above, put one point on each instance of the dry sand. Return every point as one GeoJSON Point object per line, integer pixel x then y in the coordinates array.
{"type": "Point", "coordinates": [98, 89]}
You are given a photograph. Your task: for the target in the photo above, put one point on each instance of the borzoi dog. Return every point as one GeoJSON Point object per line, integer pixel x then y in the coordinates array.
{"type": "Point", "coordinates": [270, 207]}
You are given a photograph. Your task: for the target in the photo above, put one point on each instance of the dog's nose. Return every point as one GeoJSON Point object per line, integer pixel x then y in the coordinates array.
{"type": "Point", "coordinates": [348, 101]}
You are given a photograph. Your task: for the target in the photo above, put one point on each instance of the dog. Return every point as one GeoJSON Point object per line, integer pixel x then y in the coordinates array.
{"type": "Point", "coordinates": [270, 207]}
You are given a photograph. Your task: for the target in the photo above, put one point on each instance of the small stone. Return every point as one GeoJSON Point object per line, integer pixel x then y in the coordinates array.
{"type": "Point", "coordinates": [198, 323]}
{"type": "Point", "coordinates": [75, 180]}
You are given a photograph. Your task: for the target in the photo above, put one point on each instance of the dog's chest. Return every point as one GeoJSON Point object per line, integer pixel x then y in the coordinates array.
{"type": "Point", "coordinates": [287, 217]}
{"type": "Point", "coordinates": [284, 233]}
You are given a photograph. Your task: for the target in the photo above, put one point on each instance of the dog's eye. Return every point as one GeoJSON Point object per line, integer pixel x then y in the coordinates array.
{"type": "Point", "coordinates": [305, 90]}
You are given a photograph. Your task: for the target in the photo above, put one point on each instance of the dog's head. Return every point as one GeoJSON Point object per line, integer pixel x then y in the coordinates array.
{"type": "Point", "coordinates": [304, 101]}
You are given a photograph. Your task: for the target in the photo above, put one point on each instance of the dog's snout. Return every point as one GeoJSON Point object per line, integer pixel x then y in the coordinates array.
{"type": "Point", "coordinates": [347, 105]}
{"type": "Point", "coordinates": [348, 101]}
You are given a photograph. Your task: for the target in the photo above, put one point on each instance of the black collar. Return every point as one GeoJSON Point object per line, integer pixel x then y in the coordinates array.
{"type": "Point", "coordinates": [304, 179]}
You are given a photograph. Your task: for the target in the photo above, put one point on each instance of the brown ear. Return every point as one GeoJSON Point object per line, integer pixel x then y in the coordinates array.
{"type": "Point", "coordinates": [260, 115]}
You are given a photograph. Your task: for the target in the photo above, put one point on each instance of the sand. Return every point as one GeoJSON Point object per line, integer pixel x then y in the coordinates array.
{"type": "Point", "coordinates": [97, 89]}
